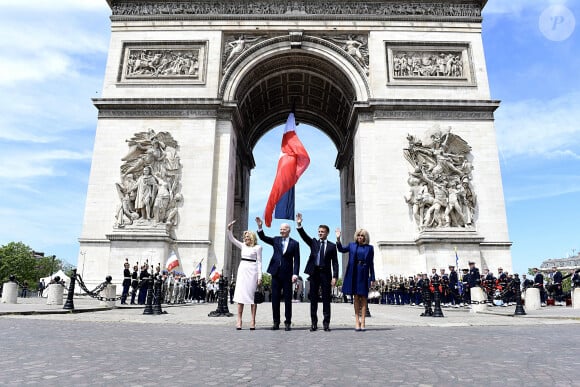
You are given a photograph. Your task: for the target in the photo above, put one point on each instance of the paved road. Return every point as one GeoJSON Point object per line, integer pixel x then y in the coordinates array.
{"type": "Point", "coordinates": [70, 352]}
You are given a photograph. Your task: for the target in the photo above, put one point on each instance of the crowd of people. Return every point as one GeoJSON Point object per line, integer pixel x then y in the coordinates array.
{"type": "Point", "coordinates": [359, 285]}
{"type": "Point", "coordinates": [177, 288]}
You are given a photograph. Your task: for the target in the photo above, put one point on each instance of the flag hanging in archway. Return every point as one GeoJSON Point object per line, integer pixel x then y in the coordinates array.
{"type": "Point", "coordinates": [292, 163]}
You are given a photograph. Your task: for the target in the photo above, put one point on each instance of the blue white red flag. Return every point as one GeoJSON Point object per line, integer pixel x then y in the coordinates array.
{"type": "Point", "coordinates": [197, 270]}
{"type": "Point", "coordinates": [214, 275]}
{"type": "Point", "coordinates": [172, 261]}
{"type": "Point", "coordinates": [292, 163]}
{"type": "Point", "coordinates": [459, 282]}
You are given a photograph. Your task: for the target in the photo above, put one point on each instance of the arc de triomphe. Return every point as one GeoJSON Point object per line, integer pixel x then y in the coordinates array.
{"type": "Point", "coordinates": [400, 87]}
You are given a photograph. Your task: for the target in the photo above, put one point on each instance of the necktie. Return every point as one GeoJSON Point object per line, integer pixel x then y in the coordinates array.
{"type": "Point", "coordinates": [283, 245]}
{"type": "Point", "coordinates": [321, 255]}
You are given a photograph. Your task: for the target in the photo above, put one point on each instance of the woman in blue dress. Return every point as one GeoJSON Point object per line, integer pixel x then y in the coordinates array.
{"type": "Point", "coordinates": [359, 271]}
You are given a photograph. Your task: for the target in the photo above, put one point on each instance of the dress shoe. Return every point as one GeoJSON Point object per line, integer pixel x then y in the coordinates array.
{"type": "Point", "coordinates": [326, 328]}
{"type": "Point", "coordinates": [313, 328]}
{"type": "Point", "coordinates": [276, 326]}
{"type": "Point", "coordinates": [287, 327]}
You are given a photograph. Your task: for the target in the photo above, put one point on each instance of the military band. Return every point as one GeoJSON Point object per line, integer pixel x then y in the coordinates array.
{"type": "Point", "coordinates": [455, 288]}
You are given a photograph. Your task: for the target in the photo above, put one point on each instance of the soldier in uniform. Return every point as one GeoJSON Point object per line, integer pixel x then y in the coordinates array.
{"type": "Point", "coordinates": [454, 287]}
{"type": "Point", "coordinates": [539, 284]}
{"type": "Point", "coordinates": [445, 294]}
{"type": "Point", "coordinates": [126, 282]}
{"type": "Point", "coordinates": [466, 289]}
{"type": "Point", "coordinates": [489, 284]}
{"type": "Point", "coordinates": [134, 283]}
{"type": "Point", "coordinates": [557, 285]}
{"type": "Point", "coordinates": [143, 284]}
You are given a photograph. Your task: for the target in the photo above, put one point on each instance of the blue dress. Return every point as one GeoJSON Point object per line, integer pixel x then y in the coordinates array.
{"type": "Point", "coordinates": [359, 270]}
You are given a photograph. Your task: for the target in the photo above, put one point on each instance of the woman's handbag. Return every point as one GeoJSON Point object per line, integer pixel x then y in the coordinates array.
{"type": "Point", "coordinates": [259, 296]}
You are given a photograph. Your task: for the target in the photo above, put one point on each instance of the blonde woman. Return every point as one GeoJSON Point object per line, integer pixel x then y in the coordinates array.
{"type": "Point", "coordinates": [249, 273]}
{"type": "Point", "coordinates": [359, 271]}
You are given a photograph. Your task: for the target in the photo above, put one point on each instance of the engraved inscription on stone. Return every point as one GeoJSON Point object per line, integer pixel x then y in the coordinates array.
{"type": "Point", "coordinates": [440, 189]}
{"type": "Point", "coordinates": [292, 7]}
{"type": "Point", "coordinates": [150, 187]}
{"type": "Point", "coordinates": [163, 62]}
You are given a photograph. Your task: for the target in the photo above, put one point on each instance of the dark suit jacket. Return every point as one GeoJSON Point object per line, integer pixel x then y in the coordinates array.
{"type": "Point", "coordinates": [330, 255]}
{"type": "Point", "coordinates": [283, 265]}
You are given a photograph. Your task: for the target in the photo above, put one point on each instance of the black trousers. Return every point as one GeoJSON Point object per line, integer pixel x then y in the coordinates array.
{"type": "Point", "coordinates": [279, 285]}
{"type": "Point", "coordinates": [320, 282]}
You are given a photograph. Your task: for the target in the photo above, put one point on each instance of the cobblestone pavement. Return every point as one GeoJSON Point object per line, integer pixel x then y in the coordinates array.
{"type": "Point", "coordinates": [185, 347]}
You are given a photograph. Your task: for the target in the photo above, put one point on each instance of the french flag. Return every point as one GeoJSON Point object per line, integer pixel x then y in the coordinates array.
{"type": "Point", "coordinates": [292, 163]}
{"type": "Point", "coordinates": [197, 270]}
{"type": "Point", "coordinates": [172, 261]}
{"type": "Point", "coordinates": [214, 275]}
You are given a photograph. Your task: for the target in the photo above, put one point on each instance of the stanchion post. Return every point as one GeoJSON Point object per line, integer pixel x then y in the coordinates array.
{"type": "Point", "coordinates": [69, 304]}
{"type": "Point", "coordinates": [222, 309]}
{"type": "Point", "coordinates": [437, 312]}
{"type": "Point", "coordinates": [520, 311]}
{"type": "Point", "coordinates": [149, 300]}
{"type": "Point", "coordinates": [157, 289]}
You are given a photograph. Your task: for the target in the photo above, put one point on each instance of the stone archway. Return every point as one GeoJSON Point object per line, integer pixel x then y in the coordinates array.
{"type": "Point", "coordinates": [319, 82]}
{"type": "Point", "coordinates": [392, 83]}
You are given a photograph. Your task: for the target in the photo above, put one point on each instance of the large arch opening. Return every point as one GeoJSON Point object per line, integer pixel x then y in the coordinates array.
{"type": "Point", "coordinates": [323, 95]}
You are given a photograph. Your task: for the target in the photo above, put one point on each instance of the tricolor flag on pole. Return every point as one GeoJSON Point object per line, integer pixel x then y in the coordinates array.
{"type": "Point", "coordinates": [197, 270]}
{"type": "Point", "coordinates": [172, 261]}
{"type": "Point", "coordinates": [214, 275]}
{"type": "Point", "coordinates": [459, 282]}
{"type": "Point", "coordinates": [292, 163]}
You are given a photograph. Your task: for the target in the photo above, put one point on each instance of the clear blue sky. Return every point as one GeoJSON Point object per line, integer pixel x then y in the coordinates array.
{"type": "Point", "coordinates": [52, 61]}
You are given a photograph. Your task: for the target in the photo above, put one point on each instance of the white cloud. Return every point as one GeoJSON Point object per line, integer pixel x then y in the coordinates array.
{"type": "Point", "coordinates": [538, 128]}
{"type": "Point", "coordinates": [54, 6]}
{"type": "Point", "coordinates": [20, 165]}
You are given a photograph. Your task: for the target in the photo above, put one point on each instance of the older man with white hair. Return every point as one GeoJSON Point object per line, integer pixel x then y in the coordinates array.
{"type": "Point", "coordinates": [284, 267]}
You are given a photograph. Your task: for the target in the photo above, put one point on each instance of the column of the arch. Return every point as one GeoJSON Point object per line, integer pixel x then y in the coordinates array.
{"type": "Point", "coordinates": [347, 207]}
{"type": "Point", "coordinates": [242, 193]}
{"type": "Point", "coordinates": [223, 190]}
{"type": "Point", "coordinates": [371, 172]}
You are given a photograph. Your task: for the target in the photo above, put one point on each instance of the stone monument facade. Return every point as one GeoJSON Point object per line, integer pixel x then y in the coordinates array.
{"type": "Point", "coordinates": [400, 87]}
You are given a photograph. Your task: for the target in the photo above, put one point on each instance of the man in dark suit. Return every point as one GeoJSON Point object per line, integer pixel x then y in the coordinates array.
{"type": "Point", "coordinates": [284, 267]}
{"type": "Point", "coordinates": [322, 267]}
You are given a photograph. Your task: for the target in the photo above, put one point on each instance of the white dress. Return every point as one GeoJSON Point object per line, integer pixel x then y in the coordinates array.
{"type": "Point", "coordinates": [249, 271]}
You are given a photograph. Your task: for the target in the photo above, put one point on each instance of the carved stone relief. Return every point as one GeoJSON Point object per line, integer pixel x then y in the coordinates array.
{"type": "Point", "coordinates": [235, 45]}
{"type": "Point", "coordinates": [287, 8]}
{"type": "Point", "coordinates": [150, 187]}
{"type": "Point", "coordinates": [440, 189]}
{"type": "Point", "coordinates": [427, 64]}
{"type": "Point", "coordinates": [354, 45]}
{"type": "Point", "coordinates": [435, 64]}
{"type": "Point", "coordinates": [163, 62]}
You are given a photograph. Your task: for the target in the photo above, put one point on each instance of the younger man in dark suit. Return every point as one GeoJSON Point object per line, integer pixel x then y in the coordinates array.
{"type": "Point", "coordinates": [284, 267]}
{"type": "Point", "coordinates": [322, 259]}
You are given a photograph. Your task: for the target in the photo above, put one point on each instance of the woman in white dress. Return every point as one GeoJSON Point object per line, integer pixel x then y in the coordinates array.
{"type": "Point", "coordinates": [249, 273]}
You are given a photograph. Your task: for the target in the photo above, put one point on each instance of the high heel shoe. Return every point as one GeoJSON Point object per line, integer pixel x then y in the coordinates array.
{"type": "Point", "coordinates": [253, 326]}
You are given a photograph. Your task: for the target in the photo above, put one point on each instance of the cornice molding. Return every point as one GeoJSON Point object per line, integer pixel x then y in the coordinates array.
{"type": "Point", "coordinates": [454, 10]}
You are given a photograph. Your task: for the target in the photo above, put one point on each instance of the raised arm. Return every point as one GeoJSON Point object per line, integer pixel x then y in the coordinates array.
{"type": "Point", "coordinates": [339, 245]}
{"type": "Point", "coordinates": [303, 234]}
{"type": "Point", "coordinates": [261, 234]}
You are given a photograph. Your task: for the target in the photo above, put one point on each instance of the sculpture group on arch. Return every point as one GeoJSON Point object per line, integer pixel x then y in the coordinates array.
{"type": "Point", "coordinates": [150, 187]}
{"type": "Point", "coordinates": [440, 193]}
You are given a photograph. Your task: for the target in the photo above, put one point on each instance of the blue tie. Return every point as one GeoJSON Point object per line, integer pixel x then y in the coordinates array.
{"type": "Point", "coordinates": [321, 255]}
